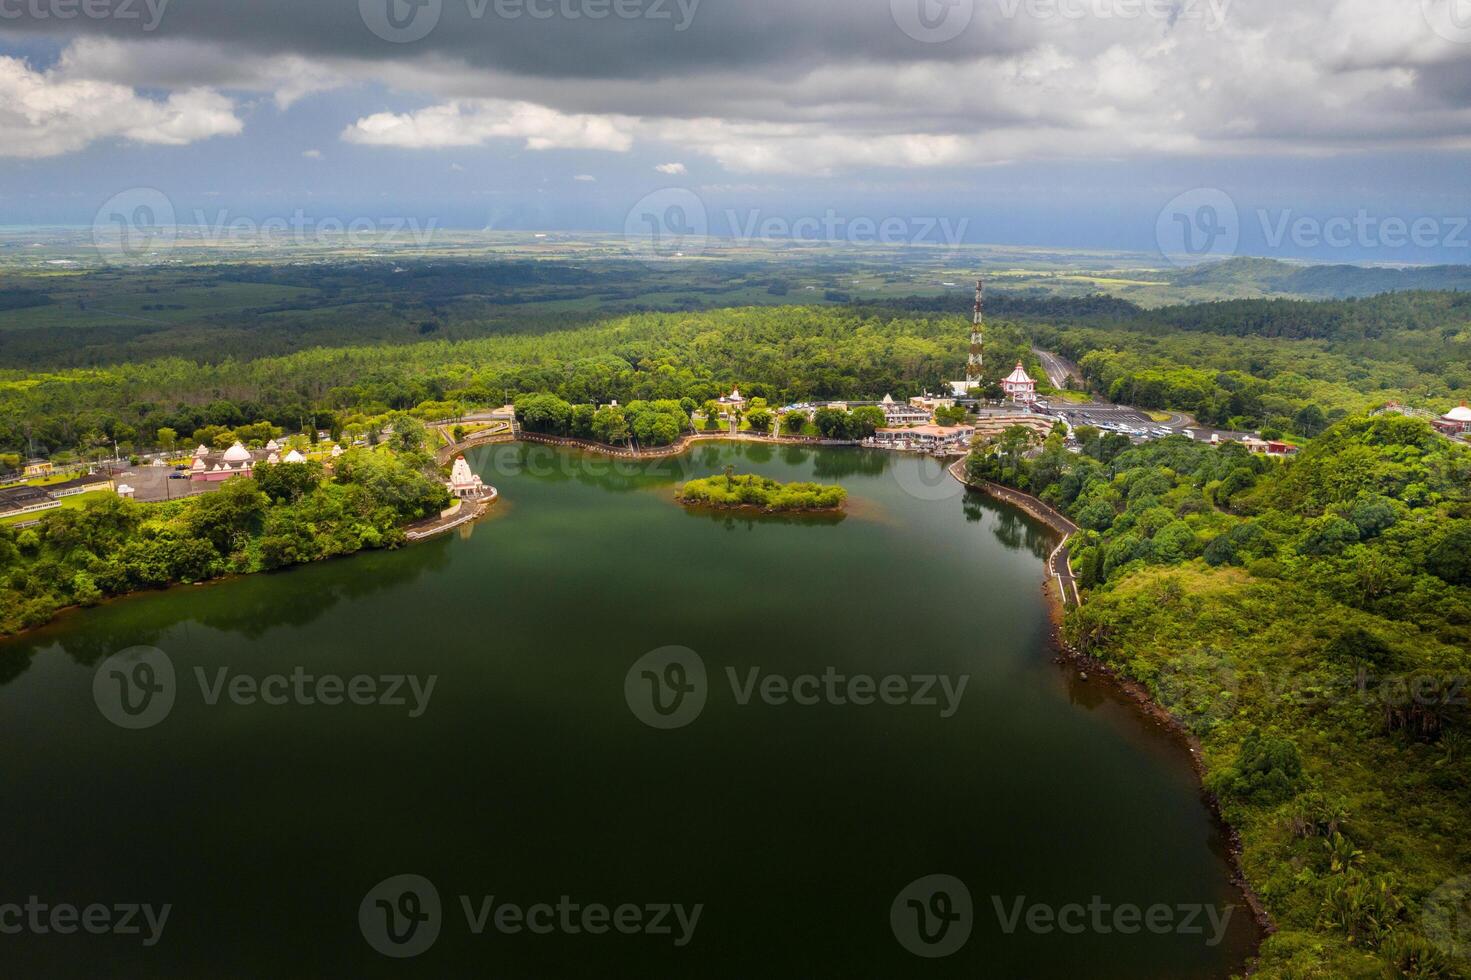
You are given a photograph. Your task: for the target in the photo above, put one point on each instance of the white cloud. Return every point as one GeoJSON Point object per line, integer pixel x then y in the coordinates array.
{"type": "Point", "coordinates": [46, 113]}
{"type": "Point", "coordinates": [470, 122]}
{"type": "Point", "coordinates": [312, 154]}
{"type": "Point", "coordinates": [1304, 77]}
{"type": "Point", "coordinates": [586, 178]}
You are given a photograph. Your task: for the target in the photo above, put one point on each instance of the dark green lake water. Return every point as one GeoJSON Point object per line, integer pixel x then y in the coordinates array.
{"type": "Point", "coordinates": [528, 776]}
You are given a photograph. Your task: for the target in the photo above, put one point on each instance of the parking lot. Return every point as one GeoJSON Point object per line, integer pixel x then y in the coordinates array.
{"type": "Point", "coordinates": [153, 483]}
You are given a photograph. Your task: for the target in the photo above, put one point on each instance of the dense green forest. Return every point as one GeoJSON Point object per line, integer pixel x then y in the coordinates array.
{"type": "Point", "coordinates": [1310, 622]}
{"type": "Point", "coordinates": [1239, 365]}
{"type": "Point", "coordinates": [782, 354]}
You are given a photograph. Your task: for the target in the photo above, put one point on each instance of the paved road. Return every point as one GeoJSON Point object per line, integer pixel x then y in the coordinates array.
{"type": "Point", "coordinates": [1058, 368]}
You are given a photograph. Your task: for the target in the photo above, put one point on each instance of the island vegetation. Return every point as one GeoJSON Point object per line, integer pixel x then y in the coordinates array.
{"type": "Point", "coordinates": [735, 491]}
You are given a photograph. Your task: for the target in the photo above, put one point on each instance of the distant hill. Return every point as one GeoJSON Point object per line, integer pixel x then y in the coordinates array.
{"type": "Point", "coordinates": [1271, 277]}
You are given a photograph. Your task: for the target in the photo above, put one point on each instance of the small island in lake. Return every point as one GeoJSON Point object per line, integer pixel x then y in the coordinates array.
{"type": "Point", "coordinates": [732, 491]}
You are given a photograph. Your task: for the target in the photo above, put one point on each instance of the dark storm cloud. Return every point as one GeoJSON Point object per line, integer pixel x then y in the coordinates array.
{"type": "Point", "coordinates": [504, 35]}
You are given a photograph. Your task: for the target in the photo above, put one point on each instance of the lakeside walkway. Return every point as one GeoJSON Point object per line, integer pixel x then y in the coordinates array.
{"type": "Point", "coordinates": [463, 513]}
{"type": "Point", "coordinates": [1059, 563]}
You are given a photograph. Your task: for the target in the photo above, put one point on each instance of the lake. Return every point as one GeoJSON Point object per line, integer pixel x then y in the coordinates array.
{"type": "Point", "coordinates": [597, 734]}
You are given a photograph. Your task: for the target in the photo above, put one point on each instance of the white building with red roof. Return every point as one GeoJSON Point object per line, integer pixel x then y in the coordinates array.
{"type": "Point", "coordinates": [1019, 386]}
{"type": "Point", "coordinates": [1456, 422]}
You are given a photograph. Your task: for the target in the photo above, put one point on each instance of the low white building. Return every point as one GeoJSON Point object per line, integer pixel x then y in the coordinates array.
{"type": "Point", "coordinates": [926, 438]}
{"type": "Point", "coordinates": [896, 414]}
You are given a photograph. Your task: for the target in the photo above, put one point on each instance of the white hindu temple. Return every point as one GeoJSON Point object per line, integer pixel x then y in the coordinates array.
{"type": "Point", "coordinates": [213, 468]}
{"type": "Point", "coordinates": [464, 484]}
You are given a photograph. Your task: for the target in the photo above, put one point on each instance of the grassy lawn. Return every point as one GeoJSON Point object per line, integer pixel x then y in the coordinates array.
{"type": "Point", "coordinates": [73, 502]}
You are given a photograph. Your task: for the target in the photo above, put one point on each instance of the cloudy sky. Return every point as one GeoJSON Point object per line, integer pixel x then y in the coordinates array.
{"type": "Point", "coordinates": [1090, 123]}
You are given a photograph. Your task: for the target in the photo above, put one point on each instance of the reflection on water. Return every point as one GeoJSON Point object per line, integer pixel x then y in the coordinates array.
{"type": "Point", "coordinates": [247, 606]}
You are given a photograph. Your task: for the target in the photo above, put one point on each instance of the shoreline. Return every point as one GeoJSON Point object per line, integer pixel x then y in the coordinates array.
{"type": "Point", "coordinates": [1131, 690]}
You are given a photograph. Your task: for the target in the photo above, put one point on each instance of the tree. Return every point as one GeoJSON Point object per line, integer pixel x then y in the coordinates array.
{"type": "Point", "coordinates": [1450, 557]}
{"type": "Point", "coordinates": [409, 434]}
{"type": "Point", "coordinates": [1309, 421]}
{"type": "Point", "coordinates": [833, 423]}
{"type": "Point", "coordinates": [761, 420]}
{"type": "Point", "coordinates": [950, 415]}
{"type": "Point", "coordinates": [792, 423]}
{"type": "Point", "coordinates": [866, 420]}
{"type": "Point", "coordinates": [166, 438]}
{"type": "Point", "coordinates": [610, 426]}
{"type": "Point", "coordinates": [286, 483]}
